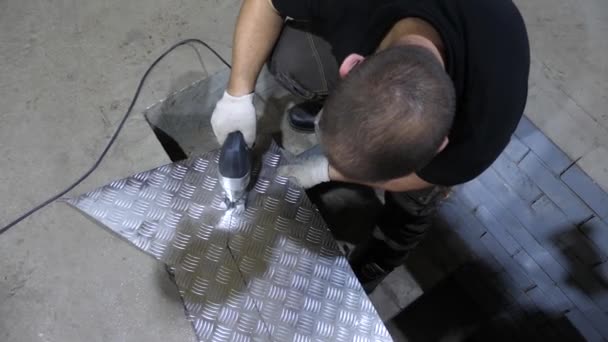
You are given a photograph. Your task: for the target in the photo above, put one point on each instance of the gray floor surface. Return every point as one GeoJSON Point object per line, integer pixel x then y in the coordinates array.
{"type": "Point", "coordinates": [69, 69]}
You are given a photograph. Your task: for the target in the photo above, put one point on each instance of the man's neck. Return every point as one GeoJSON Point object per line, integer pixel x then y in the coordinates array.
{"type": "Point", "coordinates": [414, 31]}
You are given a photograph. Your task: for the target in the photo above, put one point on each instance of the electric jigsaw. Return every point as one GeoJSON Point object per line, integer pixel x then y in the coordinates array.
{"type": "Point", "coordinates": [235, 169]}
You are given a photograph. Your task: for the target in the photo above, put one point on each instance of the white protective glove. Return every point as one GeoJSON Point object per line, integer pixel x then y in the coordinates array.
{"type": "Point", "coordinates": [232, 114]}
{"type": "Point", "coordinates": [306, 172]}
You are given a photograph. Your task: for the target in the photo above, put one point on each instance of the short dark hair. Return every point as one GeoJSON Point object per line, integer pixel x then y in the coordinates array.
{"type": "Point", "coordinates": [388, 117]}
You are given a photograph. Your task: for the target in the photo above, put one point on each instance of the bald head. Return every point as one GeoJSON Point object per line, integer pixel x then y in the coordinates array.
{"type": "Point", "coordinates": [389, 116]}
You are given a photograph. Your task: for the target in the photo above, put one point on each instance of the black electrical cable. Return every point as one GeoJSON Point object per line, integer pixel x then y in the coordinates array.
{"type": "Point", "coordinates": [115, 135]}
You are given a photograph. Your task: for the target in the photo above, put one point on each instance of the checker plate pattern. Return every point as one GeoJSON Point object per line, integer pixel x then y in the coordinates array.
{"type": "Point", "coordinates": [271, 272]}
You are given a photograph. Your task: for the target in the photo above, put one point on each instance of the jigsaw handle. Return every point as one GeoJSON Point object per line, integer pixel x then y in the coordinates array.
{"type": "Point", "coordinates": [234, 157]}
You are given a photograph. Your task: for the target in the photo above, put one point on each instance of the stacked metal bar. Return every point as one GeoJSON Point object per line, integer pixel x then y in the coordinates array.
{"type": "Point", "coordinates": [526, 242]}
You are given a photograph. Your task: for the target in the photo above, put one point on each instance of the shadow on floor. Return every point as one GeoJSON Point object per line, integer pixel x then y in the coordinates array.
{"type": "Point", "coordinates": [465, 298]}
{"type": "Point", "coordinates": [472, 305]}
{"type": "Point", "coordinates": [469, 298]}
{"type": "Point", "coordinates": [582, 258]}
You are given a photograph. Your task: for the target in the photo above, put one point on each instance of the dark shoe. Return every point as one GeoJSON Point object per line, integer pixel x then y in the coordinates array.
{"type": "Point", "coordinates": [362, 260]}
{"type": "Point", "coordinates": [302, 116]}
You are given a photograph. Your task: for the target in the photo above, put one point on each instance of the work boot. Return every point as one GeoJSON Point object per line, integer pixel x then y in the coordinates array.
{"type": "Point", "coordinates": [364, 262]}
{"type": "Point", "coordinates": [302, 116]}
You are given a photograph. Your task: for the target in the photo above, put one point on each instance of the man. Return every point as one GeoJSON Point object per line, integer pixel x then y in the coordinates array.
{"type": "Point", "coordinates": [417, 96]}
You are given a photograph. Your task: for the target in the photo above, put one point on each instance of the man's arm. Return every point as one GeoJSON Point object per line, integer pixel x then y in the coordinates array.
{"type": "Point", "coordinates": [410, 182]}
{"type": "Point", "coordinates": [257, 30]}
{"type": "Point", "coordinates": [314, 169]}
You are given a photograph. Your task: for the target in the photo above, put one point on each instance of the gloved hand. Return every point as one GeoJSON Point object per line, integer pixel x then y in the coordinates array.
{"type": "Point", "coordinates": [306, 172]}
{"type": "Point", "coordinates": [232, 114]}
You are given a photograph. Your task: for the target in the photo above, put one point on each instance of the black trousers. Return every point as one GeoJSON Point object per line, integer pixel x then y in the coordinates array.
{"type": "Point", "coordinates": [303, 63]}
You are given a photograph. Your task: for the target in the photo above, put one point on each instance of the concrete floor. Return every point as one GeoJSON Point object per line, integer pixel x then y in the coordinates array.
{"type": "Point", "coordinates": [68, 70]}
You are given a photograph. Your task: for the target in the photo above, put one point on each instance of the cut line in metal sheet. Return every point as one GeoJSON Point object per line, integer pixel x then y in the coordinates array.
{"type": "Point", "coordinates": [244, 279]}
{"type": "Point", "coordinates": [270, 272]}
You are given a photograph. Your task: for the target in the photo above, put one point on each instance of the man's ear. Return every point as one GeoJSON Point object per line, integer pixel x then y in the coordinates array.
{"type": "Point", "coordinates": [349, 63]}
{"type": "Point", "coordinates": [444, 144]}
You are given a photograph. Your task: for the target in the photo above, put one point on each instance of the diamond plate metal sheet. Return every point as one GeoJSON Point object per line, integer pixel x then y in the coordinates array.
{"type": "Point", "coordinates": [271, 272]}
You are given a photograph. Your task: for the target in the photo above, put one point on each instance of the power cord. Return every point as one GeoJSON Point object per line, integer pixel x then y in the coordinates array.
{"type": "Point", "coordinates": [115, 135]}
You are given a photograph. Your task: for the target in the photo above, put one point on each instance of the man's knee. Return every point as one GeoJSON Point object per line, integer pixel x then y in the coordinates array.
{"type": "Point", "coordinates": [289, 76]}
{"type": "Point", "coordinates": [407, 216]}
{"type": "Point", "coordinates": [422, 203]}
{"type": "Point", "coordinates": [302, 63]}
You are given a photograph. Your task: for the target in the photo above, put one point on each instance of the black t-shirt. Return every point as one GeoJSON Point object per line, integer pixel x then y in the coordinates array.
{"type": "Point", "coordinates": [487, 57]}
